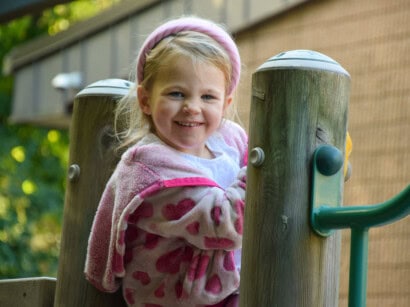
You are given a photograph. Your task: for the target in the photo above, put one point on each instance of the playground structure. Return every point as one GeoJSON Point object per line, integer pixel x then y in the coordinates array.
{"type": "Point", "coordinates": [299, 104]}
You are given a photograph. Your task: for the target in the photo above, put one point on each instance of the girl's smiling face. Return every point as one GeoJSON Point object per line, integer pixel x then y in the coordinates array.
{"type": "Point", "coordinates": [186, 103]}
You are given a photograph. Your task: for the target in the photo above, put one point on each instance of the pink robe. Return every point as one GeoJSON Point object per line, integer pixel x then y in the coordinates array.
{"type": "Point", "coordinates": [165, 232]}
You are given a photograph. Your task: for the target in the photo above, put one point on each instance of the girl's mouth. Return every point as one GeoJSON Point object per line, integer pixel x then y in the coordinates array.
{"type": "Point", "coordinates": [188, 124]}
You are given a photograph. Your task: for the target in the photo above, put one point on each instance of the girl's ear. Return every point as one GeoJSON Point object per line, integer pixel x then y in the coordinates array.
{"type": "Point", "coordinates": [143, 100]}
{"type": "Point", "coordinates": [228, 101]}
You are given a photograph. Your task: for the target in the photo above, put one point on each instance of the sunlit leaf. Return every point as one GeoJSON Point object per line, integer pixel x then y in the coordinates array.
{"type": "Point", "coordinates": [53, 136]}
{"type": "Point", "coordinates": [4, 207]}
{"type": "Point", "coordinates": [18, 153]}
{"type": "Point", "coordinates": [28, 187]}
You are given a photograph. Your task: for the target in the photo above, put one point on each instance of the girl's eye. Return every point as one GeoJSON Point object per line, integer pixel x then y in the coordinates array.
{"type": "Point", "coordinates": [208, 97]}
{"type": "Point", "coordinates": [176, 95]}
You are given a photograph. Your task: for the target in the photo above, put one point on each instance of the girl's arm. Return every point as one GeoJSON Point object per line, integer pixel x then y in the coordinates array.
{"type": "Point", "coordinates": [207, 217]}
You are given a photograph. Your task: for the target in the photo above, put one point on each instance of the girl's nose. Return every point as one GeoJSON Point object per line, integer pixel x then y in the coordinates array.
{"type": "Point", "coordinates": [191, 106]}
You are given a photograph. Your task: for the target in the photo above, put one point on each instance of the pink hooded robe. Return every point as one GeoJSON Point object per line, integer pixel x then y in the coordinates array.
{"type": "Point", "coordinates": [166, 232]}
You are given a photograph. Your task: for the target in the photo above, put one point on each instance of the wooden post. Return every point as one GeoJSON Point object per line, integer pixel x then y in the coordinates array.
{"type": "Point", "coordinates": [92, 161]}
{"type": "Point", "coordinates": [299, 101]}
{"type": "Point", "coordinates": [27, 292]}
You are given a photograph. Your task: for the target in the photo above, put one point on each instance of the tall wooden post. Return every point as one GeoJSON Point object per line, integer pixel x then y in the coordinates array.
{"type": "Point", "coordinates": [299, 101]}
{"type": "Point", "coordinates": [92, 160]}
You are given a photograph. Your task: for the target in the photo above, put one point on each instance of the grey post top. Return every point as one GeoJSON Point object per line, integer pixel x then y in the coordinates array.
{"type": "Point", "coordinates": [303, 59]}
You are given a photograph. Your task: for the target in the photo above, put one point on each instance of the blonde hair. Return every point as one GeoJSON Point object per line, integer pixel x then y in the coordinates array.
{"type": "Point", "coordinates": [198, 47]}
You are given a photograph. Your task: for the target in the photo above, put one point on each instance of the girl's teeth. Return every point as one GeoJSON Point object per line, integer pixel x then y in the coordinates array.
{"type": "Point", "coordinates": [188, 124]}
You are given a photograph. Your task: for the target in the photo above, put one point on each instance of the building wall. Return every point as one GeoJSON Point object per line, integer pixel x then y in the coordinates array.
{"type": "Point", "coordinates": [371, 40]}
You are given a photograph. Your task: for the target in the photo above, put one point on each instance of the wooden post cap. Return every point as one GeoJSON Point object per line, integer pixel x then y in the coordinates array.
{"type": "Point", "coordinates": [303, 59]}
{"type": "Point", "coordinates": [107, 87]}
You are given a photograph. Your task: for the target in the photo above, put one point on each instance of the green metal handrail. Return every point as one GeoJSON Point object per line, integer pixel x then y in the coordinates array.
{"type": "Point", "coordinates": [328, 215]}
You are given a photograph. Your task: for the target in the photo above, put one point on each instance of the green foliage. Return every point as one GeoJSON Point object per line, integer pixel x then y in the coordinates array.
{"type": "Point", "coordinates": [33, 161]}
{"type": "Point", "coordinates": [32, 182]}
{"type": "Point", "coordinates": [62, 16]}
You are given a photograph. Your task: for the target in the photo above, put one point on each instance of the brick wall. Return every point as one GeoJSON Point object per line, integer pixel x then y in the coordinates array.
{"type": "Point", "coordinates": [371, 40]}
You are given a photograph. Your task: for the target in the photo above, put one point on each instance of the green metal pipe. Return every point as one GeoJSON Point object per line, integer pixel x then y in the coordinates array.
{"type": "Point", "coordinates": [327, 215]}
{"type": "Point", "coordinates": [364, 216]}
{"type": "Point", "coordinates": [359, 244]}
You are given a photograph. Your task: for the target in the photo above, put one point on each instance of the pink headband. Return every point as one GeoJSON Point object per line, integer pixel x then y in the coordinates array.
{"type": "Point", "coordinates": [198, 25]}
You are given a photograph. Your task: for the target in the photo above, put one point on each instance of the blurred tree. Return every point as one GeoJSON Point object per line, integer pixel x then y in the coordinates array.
{"type": "Point", "coordinates": [33, 160]}
{"type": "Point", "coordinates": [32, 178]}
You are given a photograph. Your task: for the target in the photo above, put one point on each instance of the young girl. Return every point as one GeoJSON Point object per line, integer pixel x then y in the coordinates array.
{"type": "Point", "coordinates": [168, 228]}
